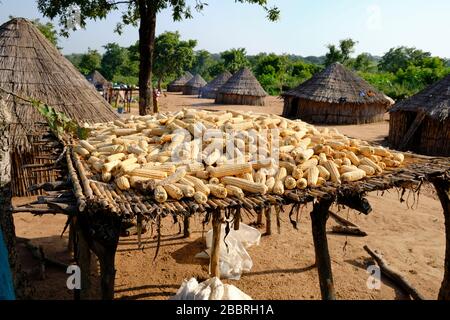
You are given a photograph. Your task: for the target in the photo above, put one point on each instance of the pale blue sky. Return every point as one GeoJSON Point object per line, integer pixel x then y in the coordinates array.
{"type": "Point", "coordinates": [305, 28]}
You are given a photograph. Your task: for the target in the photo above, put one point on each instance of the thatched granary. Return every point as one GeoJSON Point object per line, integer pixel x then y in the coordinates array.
{"type": "Point", "coordinates": [211, 89]}
{"type": "Point", "coordinates": [422, 123]}
{"type": "Point", "coordinates": [194, 86]}
{"type": "Point", "coordinates": [98, 81]}
{"type": "Point", "coordinates": [32, 68]}
{"type": "Point", "coordinates": [243, 89]}
{"type": "Point", "coordinates": [336, 96]}
{"type": "Point", "coordinates": [178, 84]}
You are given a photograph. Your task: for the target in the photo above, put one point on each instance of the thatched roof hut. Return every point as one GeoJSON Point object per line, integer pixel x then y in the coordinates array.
{"type": "Point", "coordinates": [194, 86]}
{"type": "Point", "coordinates": [336, 96]}
{"type": "Point", "coordinates": [178, 84]}
{"type": "Point", "coordinates": [31, 67]}
{"type": "Point", "coordinates": [242, 88]}
{"type": "Point", "coordinates": [98, 81]}
{"type": "Point", "coordinates": [422, 123]}
{"type": "Point", "coordinates": [211, 89]}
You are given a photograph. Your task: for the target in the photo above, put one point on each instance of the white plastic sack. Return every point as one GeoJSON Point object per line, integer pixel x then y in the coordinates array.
{"type": "Point", "coordinates": [212, 289]}
{"type": "Point", "coordinates": [234, 259]}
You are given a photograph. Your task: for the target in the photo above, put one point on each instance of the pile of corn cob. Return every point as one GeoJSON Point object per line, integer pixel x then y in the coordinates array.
{"type": "Point", "coordinates": [187, 155]}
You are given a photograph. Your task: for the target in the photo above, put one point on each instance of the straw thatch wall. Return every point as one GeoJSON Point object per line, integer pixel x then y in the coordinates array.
{"type": "Point", "coordinates": [431, 138]}
{"type": "Point", "coordinates": [431, 106]}
{"type": "Point", "coordinates": [332, 113]}
{"type": "Point", "coordinates": [194, 86]}
{"type": "Point", "coordinates": [211, 89]}
{"type": "Point", "coordinates": [31, 67]}
{"type": "Point", "coordinates": [178, 84]}
{"type": "Point", "coordinates": [336, 96]}
{"type": "Point", "coordinates": [242, 89]}
{"type": "Point", "coordinates": [236, 99]}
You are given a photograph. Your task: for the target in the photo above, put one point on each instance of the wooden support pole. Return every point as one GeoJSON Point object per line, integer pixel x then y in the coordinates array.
{"type": "Point", "coordinates": [83, 258]}
{"type": "Point", "coordinates": [442, 186]}
{"type": "Point", "coordinates": [107, 273]}
{"type": "Point", "coordinates": [215, 249]}
{"type": "Point", "coordinates": [70, 246]}
{"type": "Point", "coordinates": [237, 219]}
{"type": "Point", "coordinates": [319, 217]}
{"type": "Point", "coordinates": [186, 227]}
{"type": "Point", "coordinates": [259, 217]}
{"type": "Point", "coordinates": [268, 213]}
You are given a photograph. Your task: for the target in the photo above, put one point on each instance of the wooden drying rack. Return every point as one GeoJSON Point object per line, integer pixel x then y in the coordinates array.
{"type": "Point", "coordinates": [97, 210]}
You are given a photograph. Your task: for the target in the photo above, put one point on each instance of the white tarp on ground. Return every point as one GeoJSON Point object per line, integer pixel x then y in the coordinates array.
{"type": "Point", "coordinates": [212, 289]}
{"type": "Point", "coordinates": [234, 259]}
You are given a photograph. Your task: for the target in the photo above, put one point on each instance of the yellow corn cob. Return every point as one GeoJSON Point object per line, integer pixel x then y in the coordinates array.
{"type": "Point", "coordinates": [260, 177]}
{"type": "Point", "coordinates": [245, 185]}
{"type": "Point", "coordinates": [202, 175]}
{"type": "Point", "coordinates": [297, 173]}
{"type": "Point", "coordinates": [108, 167]}
{"type": "Point", "coordinates": [288, 166]}
{"type": "Point", "coordinates": [338, 162]}
{"type": "Point", "coordinates": [200, 197]}
{"type": "Point", "coordinates": [322, 158]}
{"type": "Point", "coordinates": [313, 176]}
{"type": "Point", "coordinates": [147, 173]}
{"type": "Point", "coordinates": [346, 162]}
{"type": "Point", "coordinates": [368, 162]}
{"type": "Point", "coordinates": [383, 165]}
{"type": "Point", "coordinates": [160, 194]}
{"type": "Point", "coordinates": [353, 175]}
{"type": "Point", "coordinates": [188, 191]}
{"type": "Point", "coordinates": [265, 163]}
{"type": "Point", "coordinates": [123, 183]}
{"type": "Point", "coordinates": [214, 181]}
{"type": "Point", "coordinates": [270, 183]}
{"type": "Point", "coordinates": [125, 132]}
{"type": "Point", "coordinates": [111, 149]}
{"type": "Point", "coordinates": [321, 181]}
{"type": "Point", "coordinates": [97, 166]}
{"type": "Point", "coordinates": [310, 163]}
{"type": "Point", "coordinates": [390, 163]}
{"type": "Point", "coordinates": [346, 168]}
{"type": "Point", "coordinates": [175, 177]}
{"type": "Point", "coordinates": [281, 175]}
{"type": "Point", "coordinates": [382, 152]}
{"type": "Point", "coordinates": [302, 183]}
{"type": "Point", "coordinates": [117, 156]}
{"type": "Point", "coordinates": [198, 185]}
{"type": "Point", "coordinates": [290, 183]}
{"type": "Point", "coordinates": [173, 191]}
{"type": "Point", "coordinates": [212, 158]}
{"type": "Point", "coordinates": [353, 158]}
{"type": "Point", "coordinates": [336, 145]}
{"type": "Point", "coordinates": [367, 151]}
{"type": "Point", "coordinates": [370, 171]}
{"type": "Point", "coordinates": [218, 190]}
{"type": "Point", "coordinates": [168, 168]}
{"type": "Point", "coordinates": [323, 173]}
{"type": "Point", "coordinates": [86, 145]}
{"type": "Point", "coordinates": [333, 170]}
{"type": "Point", "coordinates": [82, 151]}
{"type": "Point", "coordinates": [278, 188]}
{"type": "Point", "coordinates": [230, 170]}
{"type": "Point", "coordinates": [235, 192]}
{"type": "Point", "coordinates": [304, 155]}
{"type": "Point", "coordinates": [106, 176]}
{"type": "Point", "coordinates": [400, 157]}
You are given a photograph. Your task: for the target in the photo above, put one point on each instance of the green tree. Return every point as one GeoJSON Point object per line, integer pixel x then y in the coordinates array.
{"type": "Point", "coordinates": [90, 62]}
{"type": "Point", "coordinates": [114, 58]}
{"type": "Point", "coordinates": [134, 12]}
{"type": "Point", "coordinates": [340, 54]}
{"type": "Point", "coordinates": [363, 62]}
{"type": "Point", "coordinates": [172, 55]}
{"type": "Point", "coordinates": [235, 59]}
{"type": "Point", "coordinates": [203, 61]}
{"type": "Point", "coordinates": [402, 57]}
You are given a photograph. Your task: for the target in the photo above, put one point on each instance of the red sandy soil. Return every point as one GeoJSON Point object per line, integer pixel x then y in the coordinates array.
{"type": "Point", "coordinates": [411, 240]}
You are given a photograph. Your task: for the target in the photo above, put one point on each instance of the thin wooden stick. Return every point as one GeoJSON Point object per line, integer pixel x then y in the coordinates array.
{"type": "Point", "coordinates": [394, 275]}
{"type": "Point", "coordinates": [215, 249]}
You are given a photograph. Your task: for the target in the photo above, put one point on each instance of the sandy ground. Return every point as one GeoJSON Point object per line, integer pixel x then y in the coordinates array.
{"type": "Point", "coordinates": [411, 239]}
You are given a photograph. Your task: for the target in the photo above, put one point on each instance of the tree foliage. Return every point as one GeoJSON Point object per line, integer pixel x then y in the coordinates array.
{"type": "Point", "coordinates": [340, 53]}
{"type": "Point", "coordinates": [89, 62]}
{"type": "Point", "coordinates": [235, 59]}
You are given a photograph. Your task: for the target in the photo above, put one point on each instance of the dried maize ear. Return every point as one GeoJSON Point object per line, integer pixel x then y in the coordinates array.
{"type": "Point", "coordinates": [370, 171]}
{"type": "Point", "coordinates": [173, 191]}
{"type": "Point", "coordinates": [313, 176]}
{"type": "Point", "coordinates": [235, 192]}
{"type": "Point", "coordinates": [368, 162]}
{"type": "Point", "coordinates": [278, 188]}
{"type": "Point", "coordinates": [108, 167]}
{"type": "Point", "coordinates": [160, 194]}
{"type": "Point", "coordinates": [230, 170]}
{"type": "Point", "coordinates": [270, 183]}
{"type": "Point", "coordinates": [333, 170]}
{"type": "Point", "coordinates": [245, 185]}
{"type": "Point", "coordinates": [400, 157]}
{"type": "Point", "coordinates": [198, 185]}
{"type": "Point", "coordinates": [218, 190]}
{"type": "Point", "coordinates": [353, 175]}
{"type": "Point", "coordinates": [123, 183]}
{"type": "Point", "coordinates": [147, 173]}
{"type": "Point", "coordinates": [82, 151]}
{"type": "Point", "coordinates": [302, 183]}
{"type": "Point", "coordinates": [323, 173]}
{"type": "Point", "coordinates": [290, 183]}
{"type": "Point", "coordinates": [86, 145]}
{"type": "Point", "coordinates": [353, 158]}
{"type": "Point", "coordinates": [310, 163]}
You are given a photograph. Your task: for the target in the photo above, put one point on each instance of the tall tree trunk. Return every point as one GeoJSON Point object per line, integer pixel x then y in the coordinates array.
{"type": "Point", "coordinates": [147, 32]}
{"type": "Point", "coordinates": [159, 84]}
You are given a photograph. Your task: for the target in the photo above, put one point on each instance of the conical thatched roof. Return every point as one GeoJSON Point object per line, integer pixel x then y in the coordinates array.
{"type": "Point", "coordinates": [196, 82]}
{"type": "Point", "coordinates": [97, 79]}
{"type": "Point", "coordinates": [337, 84]}
{"type": "Point", "coordinates": [31, 67]}
{"type": "Point", "coordinates": [243, 83]}
{"type": "Point", "coordinates": [210, 90]}
{"type": "Point", "coordinates": [181, 81]}
{"type": "Point", "coordinates": [434, 101]}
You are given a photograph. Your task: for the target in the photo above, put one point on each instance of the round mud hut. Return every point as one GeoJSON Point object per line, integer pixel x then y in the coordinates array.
{"type": "Point", "coordinates": [32, 69]}
{"type": "Point", "coordinates": [242, 89]}
{"type": "Point", "coordinates": [336, 96]}
{"type": "Point", "coordinates": [211, 89]}
{"type": "Point", "coordinates": [178, 84]}
{"type": "Point", "coordinates": [194, 86]}
{"type": "Point", "coordinates": [422, 123]}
